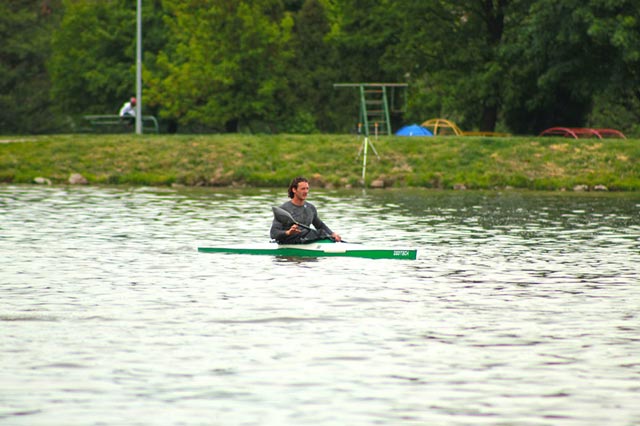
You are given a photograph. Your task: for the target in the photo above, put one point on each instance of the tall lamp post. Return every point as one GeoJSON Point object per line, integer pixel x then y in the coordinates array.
{"type": "Point", "coordinates": [139, 69]}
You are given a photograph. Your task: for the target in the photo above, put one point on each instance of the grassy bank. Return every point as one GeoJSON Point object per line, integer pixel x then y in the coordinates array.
{"type": "Point", "coordinates": [328, 160]}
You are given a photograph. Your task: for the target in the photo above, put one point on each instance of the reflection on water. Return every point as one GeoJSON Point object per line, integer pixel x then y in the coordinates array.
{"type": "Point", "coordinates": [521, 309]}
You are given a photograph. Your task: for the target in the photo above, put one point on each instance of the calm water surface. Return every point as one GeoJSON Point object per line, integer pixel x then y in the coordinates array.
{"type": "Point", "coordinates": [522, 309]}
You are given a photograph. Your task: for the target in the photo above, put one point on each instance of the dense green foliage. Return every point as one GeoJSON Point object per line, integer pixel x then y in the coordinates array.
{"type": "Point", "coordinates": [26, 27]}
{"type": "Point", "coordinates": [91, 62]}
{"type": "Point", "coordinates": [269, 65]}
{"type": "Point", "coordinates": [329, 160]}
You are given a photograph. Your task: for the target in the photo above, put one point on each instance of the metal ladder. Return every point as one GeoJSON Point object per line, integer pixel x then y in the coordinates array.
{"type": "Point", "coordinates": [374, 109]}
{"type": "Point", "coordinates": [376, 104]}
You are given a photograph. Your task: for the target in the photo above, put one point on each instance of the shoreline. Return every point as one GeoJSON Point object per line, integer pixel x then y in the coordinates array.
{"type": "Point", "coordinates": [328, 161]}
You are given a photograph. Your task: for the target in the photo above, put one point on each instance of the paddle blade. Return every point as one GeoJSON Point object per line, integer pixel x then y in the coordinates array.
{"type": "Point", "coordinates": [285, 217]}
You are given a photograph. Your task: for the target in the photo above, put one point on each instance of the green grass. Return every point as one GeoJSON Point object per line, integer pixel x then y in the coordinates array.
{"type": "Point", "coordinates": [327, 160]}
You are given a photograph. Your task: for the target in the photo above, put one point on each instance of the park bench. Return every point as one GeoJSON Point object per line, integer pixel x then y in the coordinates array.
{"type": "Point", "coordinates": [117, 124]}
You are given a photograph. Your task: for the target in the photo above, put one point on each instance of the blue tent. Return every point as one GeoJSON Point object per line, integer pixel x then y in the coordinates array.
{"type": "Point", "coordinates": [413, 130]}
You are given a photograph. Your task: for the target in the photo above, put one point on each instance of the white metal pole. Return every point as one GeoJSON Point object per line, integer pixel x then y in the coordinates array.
{"type": "Point", "coordinates": [364, 161]}
{"type": "Point", "coordinates": [139, 70]}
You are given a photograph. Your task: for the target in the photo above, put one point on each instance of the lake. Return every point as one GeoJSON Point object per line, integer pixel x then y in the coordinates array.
{"type": "Point", "coordinates": [521, 309]}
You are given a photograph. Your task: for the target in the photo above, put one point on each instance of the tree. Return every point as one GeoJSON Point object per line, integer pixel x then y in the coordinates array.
{"type": "Point", "coordinates": [93, 60]}
{"type": "Point", "coordinates": [556, 68]}
{"type": "Point", "coordinates": [311, 74]}
{"type": "Point", "coordinates": [451, 52]}
{"type": "Point", "coordinates": [224, 63]}
{"type": "Point", "coordinates": [363, 31]}
{"type": "Point", "coordinates": [522, 65]}
{"type": "Point", "coordinates": [568, 54]}
{"type": "Point", "coordinates": [615, 25]}
{"type": "Point", "coordinates": [25, 28]}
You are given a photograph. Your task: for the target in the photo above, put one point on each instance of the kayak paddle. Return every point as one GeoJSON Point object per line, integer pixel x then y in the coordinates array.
{"type": "Point", "coordinates": [285, 217]}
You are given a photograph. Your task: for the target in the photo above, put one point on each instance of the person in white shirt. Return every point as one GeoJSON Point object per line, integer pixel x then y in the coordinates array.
{"type": "Point", "coordinates": [128, 111]}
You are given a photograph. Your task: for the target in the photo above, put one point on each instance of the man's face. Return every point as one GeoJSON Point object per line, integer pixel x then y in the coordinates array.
{"type": "Point", "coordinates": [301, 192]}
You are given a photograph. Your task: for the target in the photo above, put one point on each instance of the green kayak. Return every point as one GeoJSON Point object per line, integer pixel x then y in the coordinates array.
{"type": "Point", "coordinates": [323, 248]}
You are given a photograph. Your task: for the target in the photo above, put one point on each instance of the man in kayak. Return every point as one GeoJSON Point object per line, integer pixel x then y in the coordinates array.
{"type": "Point", "coordinates": [303, 213]}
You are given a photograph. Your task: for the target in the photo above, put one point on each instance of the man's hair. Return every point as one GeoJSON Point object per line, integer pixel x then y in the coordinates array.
{"type": "Point", "coordinates": [294, 184]}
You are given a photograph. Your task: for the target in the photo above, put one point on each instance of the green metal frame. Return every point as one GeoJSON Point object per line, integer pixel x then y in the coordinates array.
{"type": "Point", "coordinates": [108, 123]}
{"type": "Point", "coordinates": [374, 103]}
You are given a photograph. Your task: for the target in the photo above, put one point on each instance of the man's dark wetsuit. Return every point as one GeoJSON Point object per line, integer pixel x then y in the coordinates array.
{"type": "Point", "coordinates": [306, 215]}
